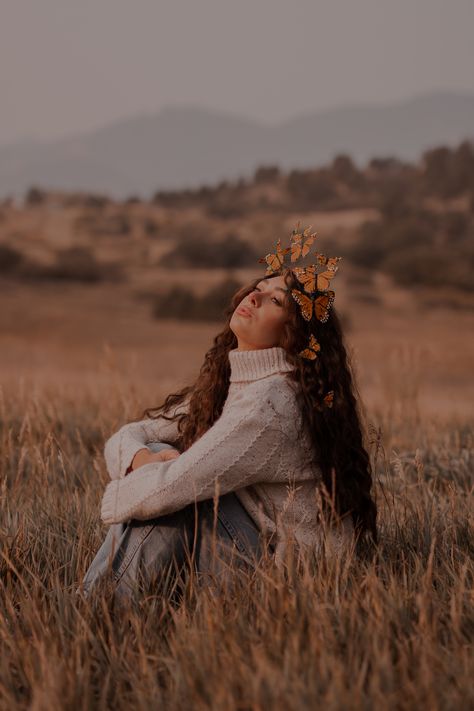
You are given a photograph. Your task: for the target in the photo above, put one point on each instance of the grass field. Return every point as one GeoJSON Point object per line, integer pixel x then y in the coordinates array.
{"type": "Point", "coordinates": [393, 633]}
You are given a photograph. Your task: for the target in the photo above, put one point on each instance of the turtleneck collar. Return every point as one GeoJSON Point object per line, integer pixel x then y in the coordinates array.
{"type": "Point", "coordinates": [252, 365]}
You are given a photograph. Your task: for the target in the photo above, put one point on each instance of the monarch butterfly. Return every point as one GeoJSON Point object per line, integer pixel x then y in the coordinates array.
{"type": "Point", "coordinates": [300, 248]}
{"type": "Point", "coordinates": [324, 279]}
{"type": "Point", "coordinates": [329, 262]}
{"type": "Point", "coordinates": [275, 260]}
{"type": "Point", "coordinates": [321, 304]}
{"type": "Point", "coordinates": [329, 398]}
{"type": "Point", "coordinates": [312, 351]}
{"type": "Point", "coordinates": [306, 276]}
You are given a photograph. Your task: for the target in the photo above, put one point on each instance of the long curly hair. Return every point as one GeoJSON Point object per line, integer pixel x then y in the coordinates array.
{"type": "Point", "coordinates": [336, 433]}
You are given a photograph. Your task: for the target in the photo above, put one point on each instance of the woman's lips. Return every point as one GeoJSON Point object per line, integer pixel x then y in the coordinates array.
{"type": "Point", "coordinates": [243, 311]}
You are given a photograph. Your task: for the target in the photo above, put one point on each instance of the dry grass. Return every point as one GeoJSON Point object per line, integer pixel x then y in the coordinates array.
{"type": "Point", "coordinates": [340, 634]}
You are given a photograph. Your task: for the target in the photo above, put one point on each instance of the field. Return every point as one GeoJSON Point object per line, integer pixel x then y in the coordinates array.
{"type": "Point", "coordinates": [396, 633]}
{"type": "Point", "coordinates": [77, 360]}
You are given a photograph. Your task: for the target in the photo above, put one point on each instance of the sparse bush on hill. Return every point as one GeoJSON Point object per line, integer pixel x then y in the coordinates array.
{"type": "Point", "coordinates": [449, 172]}
{"type": "Point", "coordinates": [10, 259]}
{"type": "Point", "coordinates": [231, 252]}
{"type": "Point", "coordinates": [74, 264]}
{"type": "Point", "coordinates": [118, 224]}
{"type": "Point", "coordinates": [419, 249]}
{"type": "Point", "coordinates": [35, 196]}
{"type": "Point", "coordinates": [181, 303]}
{"type": "Point", "coordinates": [267, 174]}
{"type": "Point", "coordinates": [311, 188]}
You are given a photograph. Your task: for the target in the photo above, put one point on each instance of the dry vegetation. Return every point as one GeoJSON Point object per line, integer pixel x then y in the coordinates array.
{"type": "Point", "coordinates": [82, 351]}
{"type": "Point", "coordinates": [392, 633]}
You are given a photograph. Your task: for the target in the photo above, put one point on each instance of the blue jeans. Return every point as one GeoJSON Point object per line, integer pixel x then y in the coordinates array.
{"type": "Point", "coordinates": [157, 553]}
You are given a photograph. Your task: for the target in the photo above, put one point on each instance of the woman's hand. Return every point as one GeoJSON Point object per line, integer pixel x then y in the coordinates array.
{"type": "Point", "coordinates": [144, 456]}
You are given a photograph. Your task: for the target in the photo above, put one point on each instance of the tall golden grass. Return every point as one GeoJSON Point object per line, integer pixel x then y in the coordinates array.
{"type": "Point", "coordinates": [335, 633]}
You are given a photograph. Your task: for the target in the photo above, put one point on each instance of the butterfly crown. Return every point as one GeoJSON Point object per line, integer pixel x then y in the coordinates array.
{"type": "Point", "coordinates": [315, 296]}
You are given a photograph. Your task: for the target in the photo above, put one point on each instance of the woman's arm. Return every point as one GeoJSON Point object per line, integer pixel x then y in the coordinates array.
{"type": "Point", "coordinates": [241, 448]}
{"type": "Point", "coordinates": [121, 447]}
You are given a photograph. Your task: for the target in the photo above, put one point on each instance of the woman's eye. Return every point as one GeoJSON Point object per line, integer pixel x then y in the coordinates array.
{"type": "Point", "coordinates": [274, 298]}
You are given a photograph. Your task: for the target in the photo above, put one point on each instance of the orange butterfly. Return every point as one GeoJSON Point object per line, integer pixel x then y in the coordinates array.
{"type": "Point", "coordinates": [307, 277]}
{"type": "Point", "coordinates": [329, 262]}
{"type": "Point", "coordinates": [300, 248]}
{"type": "Point", "coordinates": [324, 279]}
{"type": "Point", "coordinates": [312, 351]}
{"type": "Point", "coordinates": [329, 398]}
{"type": "Point", "coordinates": [275, 260]}
{"type": "Point", "coordinates": [321, 304]}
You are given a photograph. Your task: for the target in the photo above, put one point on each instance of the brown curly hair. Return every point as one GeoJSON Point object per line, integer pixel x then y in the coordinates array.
{"type": "Point", "coordinates": [336, 432]}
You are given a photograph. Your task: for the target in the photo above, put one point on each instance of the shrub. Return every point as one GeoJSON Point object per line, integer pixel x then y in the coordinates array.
{"type": "Point", "coordinates": [267, 174]}
{"type": "Point", "coordinates": [232, 252]}
{"type": "Point", "coordinates": [35, 196]}
{"type": "Point", "coordinates": [181, 303]}
{"type": "Point", "coordinates": [10, 259]}
{"type": "Point", "coordinates": [73, 264]}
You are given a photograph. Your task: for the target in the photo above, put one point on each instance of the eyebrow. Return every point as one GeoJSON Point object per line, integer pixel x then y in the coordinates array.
{"type": "Point", "coordinates": [277, 287]}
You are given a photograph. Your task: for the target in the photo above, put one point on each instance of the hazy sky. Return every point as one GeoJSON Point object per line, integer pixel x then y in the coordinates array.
{"type": "Point", "coordinates": [72, 65]}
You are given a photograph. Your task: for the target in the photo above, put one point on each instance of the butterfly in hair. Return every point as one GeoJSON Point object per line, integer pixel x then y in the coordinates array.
{"type": "Point", "coordinates": [275, 260]}
{"type": "Point", "coordinates": [329, 398]}
{"type": "Point", "coordinates": [311, 280]}
{"type": "Point", "coordinates": [329, 262]}
{"type": "Point", "coordinates": [301, 243]}
{"type": "Point", "coordinates": [319, 304]}
{"type": "Point", "coordinates": [311, 352]}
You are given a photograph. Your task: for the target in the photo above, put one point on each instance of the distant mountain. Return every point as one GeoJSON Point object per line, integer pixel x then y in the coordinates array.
{"type": "Point", "coordinates": [186, 147]}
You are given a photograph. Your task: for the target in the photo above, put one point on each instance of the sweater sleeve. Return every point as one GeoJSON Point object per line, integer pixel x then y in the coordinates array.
{"type": "Point", "coordinates": [241, 448]}
{"type": "Point", "coordinates": [122, 446]}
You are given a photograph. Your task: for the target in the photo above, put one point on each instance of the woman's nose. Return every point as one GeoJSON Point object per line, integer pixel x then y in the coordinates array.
{"type": "Point", "coordinates": [253, 298]}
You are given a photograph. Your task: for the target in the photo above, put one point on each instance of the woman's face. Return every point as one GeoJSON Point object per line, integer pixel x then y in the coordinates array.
{"type": "Point", "coordinates": [259, 318]}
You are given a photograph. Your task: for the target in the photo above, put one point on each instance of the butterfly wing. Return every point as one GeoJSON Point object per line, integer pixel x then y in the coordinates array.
{"type": "Point", "coordinates": [307, 245]}
{"type": "Point", "coordinates": [295, 247]}
{"type": "Point", "coordinates": [312, 351]}
{"type": "Point", "coordinates": [313, 343]}
{"type": "Point", "coordinates": [308, 353]}
{"type": "Point", "coordinates": [329, 398]}
{"type": "Point", "coordinates": [305, 303]}
{"type": "Point", "coordinates": [324, 279]}
{"type": "Point", "coordinates": [322, 306]}
{"type": "Point", "coordinates": [307, 277]}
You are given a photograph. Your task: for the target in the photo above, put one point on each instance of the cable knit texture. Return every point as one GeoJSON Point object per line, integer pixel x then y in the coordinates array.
{"type": "Point", "coordinates": [252, 449]}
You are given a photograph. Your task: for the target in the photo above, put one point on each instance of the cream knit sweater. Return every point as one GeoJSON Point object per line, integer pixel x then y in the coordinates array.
{"type": "Point", "coordinates": [251, 449]}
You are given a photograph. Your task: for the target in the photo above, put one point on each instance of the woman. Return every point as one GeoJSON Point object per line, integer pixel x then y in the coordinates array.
{"type": "Point", "coordinates": [270, 428]}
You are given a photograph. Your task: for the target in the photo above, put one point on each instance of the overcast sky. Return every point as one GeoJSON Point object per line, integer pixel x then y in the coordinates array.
{"type": "Point", "coordinates": [73, 65]}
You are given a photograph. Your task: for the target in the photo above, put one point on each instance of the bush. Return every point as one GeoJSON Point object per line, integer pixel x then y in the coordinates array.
{"type": "Point", "coordinates": [35, 196]}
{"type": "Point", "coordinates": [427, 266]}
{"type": "Point", "coordinates": [10, 259]}
{"type": "Point", "coordinates": [267, 174]}
{"type": "Point", "coordinates": [232, 252]}
{"type": "Point", "coordinates": [181, 303]}
{"type": "Point", "coordinates": [311, 187]}
{"type": "Point", "coordinates": [73, 264]}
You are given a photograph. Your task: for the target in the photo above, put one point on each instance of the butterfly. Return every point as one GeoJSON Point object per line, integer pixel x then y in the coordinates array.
{"type": "Point", "coordinates": [329, 262]}
{"type": "Point", "coordinates": [312, 351]}
{"type": "Point", "coordinates": [306, 276]}
{"type": "Point", "coordinates": [321, 304]}
{"type": "Point", "coordinates": [275, 260]}
{"type": "Point", "coordinates": [301, 243]}
{"type": "Point", "coordinates": [324, 278]}
{"type": "Point", "coordinates": [329, 398]}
